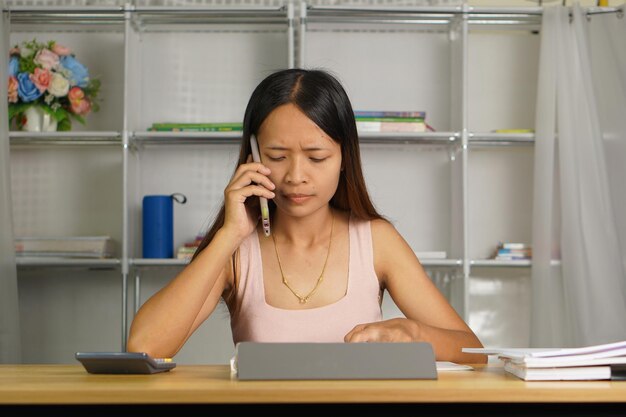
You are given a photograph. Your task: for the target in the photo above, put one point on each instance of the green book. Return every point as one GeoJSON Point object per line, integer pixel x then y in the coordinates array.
{"type": "Point", "coordinates": [390, 119]}
{"type": "Point", "coordinates": [196, 129]}
{"type": "Point", "coordinates": [231, 125]}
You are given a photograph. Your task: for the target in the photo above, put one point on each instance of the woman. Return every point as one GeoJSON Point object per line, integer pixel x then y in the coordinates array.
{"type": "Point", "coordinates": [321, 274]}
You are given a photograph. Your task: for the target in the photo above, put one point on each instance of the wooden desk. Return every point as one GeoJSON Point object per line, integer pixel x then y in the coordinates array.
{"type": "Point", "coordinates": [202, 386]}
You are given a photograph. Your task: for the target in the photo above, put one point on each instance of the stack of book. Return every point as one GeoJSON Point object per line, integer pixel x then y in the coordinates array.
{"type": "Point", "coordinates": [607, 361]}
{"type": "Point", "coordinates": [65, 247]}
{"type": "Point", "coordinates": [188, 249]}
{"type": "Point", "coordinates": [196, 127]}
{"type": "Point", "coordinates": [391, 121]}
{"type": "Point", "coordinates": [509, 251]}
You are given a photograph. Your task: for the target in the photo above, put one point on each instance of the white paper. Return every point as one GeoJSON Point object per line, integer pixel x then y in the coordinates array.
{"type": "Point", "coordinates": [451, 366]}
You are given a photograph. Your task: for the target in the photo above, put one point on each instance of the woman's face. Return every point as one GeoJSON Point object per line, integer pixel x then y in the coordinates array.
{"type": "Point", "coordinates": [305, 162]}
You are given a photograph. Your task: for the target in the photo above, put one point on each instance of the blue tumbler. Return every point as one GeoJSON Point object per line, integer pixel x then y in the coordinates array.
{"type": "Point", "coordinates": [158, 225]}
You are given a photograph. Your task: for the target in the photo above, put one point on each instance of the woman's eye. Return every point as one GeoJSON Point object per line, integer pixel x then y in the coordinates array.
{"type": "Point", "coordinates": [318, 159]}
{"type": "Point", "coordinates": [276, 158]}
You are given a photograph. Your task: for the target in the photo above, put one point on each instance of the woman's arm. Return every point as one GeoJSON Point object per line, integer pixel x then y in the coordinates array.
{"type": "Point", "coordinates": [429, 316]}
{"type": "Point", "coordinates": [168, 318]}
{"type": "Point", "coordinates": [164, 322]}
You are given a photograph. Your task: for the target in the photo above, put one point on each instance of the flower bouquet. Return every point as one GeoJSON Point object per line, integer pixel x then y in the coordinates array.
{"type": "Point", "coordinates": [47, 78]}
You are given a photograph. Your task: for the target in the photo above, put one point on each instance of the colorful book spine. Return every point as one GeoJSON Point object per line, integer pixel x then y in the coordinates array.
{"type": "Point", "coordinates": [398, 114]}
{"type": "Point", "coordinates": [390, 119]}
{"type": "Point", "coordinates": [196, 127]}
{"type": "Point", "coordinates": [390, 127]}
{"type": "Point", "coordinates": [508, 251]}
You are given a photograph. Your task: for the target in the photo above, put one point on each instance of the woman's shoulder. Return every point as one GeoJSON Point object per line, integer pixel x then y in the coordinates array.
{"type": "Point", "coordinates": [386, 239]}
{"type": "Point", "coordinates": [382, 229]}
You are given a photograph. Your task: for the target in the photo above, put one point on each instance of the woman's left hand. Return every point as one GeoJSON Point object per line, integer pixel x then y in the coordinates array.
{"type": "Point", "coordinates": [393, 330]}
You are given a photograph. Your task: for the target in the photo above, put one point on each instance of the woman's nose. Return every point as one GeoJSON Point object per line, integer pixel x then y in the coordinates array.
{"type": "Point", "coordinates": [295, 173]}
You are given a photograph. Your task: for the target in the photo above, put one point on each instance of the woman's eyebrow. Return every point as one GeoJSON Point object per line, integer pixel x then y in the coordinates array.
{"type": "Point", "coordinates": [308, 149]}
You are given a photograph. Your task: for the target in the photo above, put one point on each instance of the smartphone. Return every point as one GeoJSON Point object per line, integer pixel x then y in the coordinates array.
{"type": "Point", "coordinates": [265, 211]}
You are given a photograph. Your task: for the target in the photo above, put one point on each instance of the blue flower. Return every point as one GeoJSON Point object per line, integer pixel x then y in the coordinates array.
{"type": "Point", "coordinates": [14, 66]}
{"type": "Point", "coordinates": [26, 89]}
{"type": "Point", "coordinates": [78, 74]}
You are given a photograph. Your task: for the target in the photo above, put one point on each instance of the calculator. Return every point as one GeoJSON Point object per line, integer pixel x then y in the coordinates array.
{"type": "Point", "coordinates": [123, 363]}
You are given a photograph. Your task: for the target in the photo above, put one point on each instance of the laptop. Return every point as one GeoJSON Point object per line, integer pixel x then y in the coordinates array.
{"type": "Point", "coordinates": [302, 361]}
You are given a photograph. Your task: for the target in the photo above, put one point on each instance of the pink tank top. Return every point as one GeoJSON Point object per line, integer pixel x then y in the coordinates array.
{"type": "Point", "coordinates": [257, 321]}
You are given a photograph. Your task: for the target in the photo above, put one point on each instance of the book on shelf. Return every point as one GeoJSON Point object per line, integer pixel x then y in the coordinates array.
{"type": "Point", "coordinates": [387, 113]}
{"type": "Point", "coordinates": [187, 250]}
{"type": "Point", "coordinates": [391, 121]}
{"type": "Point", "coordinates": [391, 126]}
{"type": "Point", "coordinates": [512, 258]}
{"type": "Point", "coordinates": [196, 127]}
{"type": "Point", "coordinates": [65, 246]}
{"type": "Point", "coordinates": [513, 245]}
{"type": "Point", "coordinates": [512, 251]}
{"type": "Point", "coordinates": [606, 361]}
{"type": "Point", "coordinates": [185, 253]}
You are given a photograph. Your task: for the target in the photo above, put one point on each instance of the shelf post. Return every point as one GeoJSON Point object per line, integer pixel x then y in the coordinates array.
{"type": "Point", "coordinates": [464, 156]}
{"type": "Point", "coordinates": [125, 144]}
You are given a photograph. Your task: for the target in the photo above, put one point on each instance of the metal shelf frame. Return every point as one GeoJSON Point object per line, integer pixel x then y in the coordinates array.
{"type": "Point", "coordinates": [457, 19]}
{"type": "Point", "coordinates": [65, 138]}
{"type": "Point", "coordinates": [67, 262]}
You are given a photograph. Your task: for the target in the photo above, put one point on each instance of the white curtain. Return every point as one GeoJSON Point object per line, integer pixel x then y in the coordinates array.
{"type": "Point", "coordinates": [9, 312]}
{"type": "Point", "coordinates": [579, 207]}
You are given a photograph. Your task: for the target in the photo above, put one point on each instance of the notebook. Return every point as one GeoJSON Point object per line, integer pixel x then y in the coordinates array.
{"type": "Point", "coordinates": [301, 361]}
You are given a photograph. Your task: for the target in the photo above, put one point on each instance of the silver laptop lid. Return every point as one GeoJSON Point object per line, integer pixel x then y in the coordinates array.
{"type": "Point", "coordinates": [266, 361]}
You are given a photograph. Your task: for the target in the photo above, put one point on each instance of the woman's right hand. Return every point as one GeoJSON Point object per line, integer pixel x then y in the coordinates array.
{"type": "Point", "coordinates": [242, 209]}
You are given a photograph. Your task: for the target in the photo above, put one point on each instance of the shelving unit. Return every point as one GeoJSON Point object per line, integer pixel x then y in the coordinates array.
{"type": "Point", "coordinates": [65, 262]}
{"type": "Point", "coordinates": [485, 94]}
{"type": "Point", "coordinates": [138, 47]}
{"type": "Point", "coordinates": [139, 30]}
{"type": "Point", "coordinates": [256, 38]}
{"type": "Point", "coordinates": [65, 138]}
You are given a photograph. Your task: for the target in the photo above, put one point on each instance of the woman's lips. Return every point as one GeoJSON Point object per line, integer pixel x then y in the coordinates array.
{"type": "Point", "coordinates": [298, 198]}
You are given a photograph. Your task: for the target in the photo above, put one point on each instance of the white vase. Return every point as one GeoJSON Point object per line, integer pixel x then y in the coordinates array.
{"type": "Point", "coordinates": [37, 120]}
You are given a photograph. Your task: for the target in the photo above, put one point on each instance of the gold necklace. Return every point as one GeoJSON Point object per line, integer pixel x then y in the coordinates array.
{"type": "Point", "coordinates": [305, 299]}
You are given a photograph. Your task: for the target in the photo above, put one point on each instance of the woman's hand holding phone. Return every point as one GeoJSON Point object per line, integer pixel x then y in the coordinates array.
{"type": "Point", "coordinates": [241, 212]}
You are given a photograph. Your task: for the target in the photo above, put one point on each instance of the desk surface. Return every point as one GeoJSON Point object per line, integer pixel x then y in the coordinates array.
{"type": "Point", "coordinates": [212, 384]}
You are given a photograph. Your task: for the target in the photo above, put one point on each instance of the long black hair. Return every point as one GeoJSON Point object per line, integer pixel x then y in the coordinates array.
{"type": "Point", "coordinates": [323, 100]}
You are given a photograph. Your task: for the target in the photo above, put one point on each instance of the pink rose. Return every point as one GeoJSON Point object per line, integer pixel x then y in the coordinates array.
{"type": "Point", "coordinates": [47, 59]}
{"type": "Point", "coordinates": [12, 89]}
{"type": "Point", "coordinates": [61, 50]}
{"type": "Point", "coordinates": [78, 103]}
{"type": "Point", "coordinates": [41, 78]}
{"type": "Point", "coordinates": [81, 107]}
{"type": "Point", "coordinates": [76, 94]}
